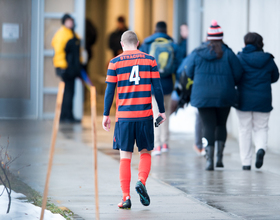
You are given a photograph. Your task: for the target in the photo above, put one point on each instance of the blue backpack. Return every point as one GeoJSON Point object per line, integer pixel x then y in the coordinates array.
{"type": "Point", "coordinates": [162, 50]}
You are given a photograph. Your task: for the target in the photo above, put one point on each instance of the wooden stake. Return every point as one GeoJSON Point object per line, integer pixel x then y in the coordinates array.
{"type": "Point", "coordinates": [59, 100]}
{"type": "Point", "coordinates": [94, 143]}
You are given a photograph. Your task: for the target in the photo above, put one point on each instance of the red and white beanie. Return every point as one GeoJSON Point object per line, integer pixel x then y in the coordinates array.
{"type": "Point", "coordinates": [215, 32]}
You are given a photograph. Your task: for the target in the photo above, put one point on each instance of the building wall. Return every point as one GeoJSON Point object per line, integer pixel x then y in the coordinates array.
{"type": "Point", "coordinates": [265, 20]}
{"type": "Point", "coordinates": [237, 17]}
{"type": "Point", "coordinates": [104, 14]}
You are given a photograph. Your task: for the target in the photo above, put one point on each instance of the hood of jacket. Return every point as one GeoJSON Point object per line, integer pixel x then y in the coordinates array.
{"type": "Point", "coordinates": [152, 38]}
{"type": "Point", "coordinates": [253, 57]}
{"type": "Point", "coordinates": [206, 53]}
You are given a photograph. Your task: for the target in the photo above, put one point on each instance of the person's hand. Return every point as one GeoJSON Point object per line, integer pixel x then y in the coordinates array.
{"type": "Point", "coordinates": [163, 116]}
{"type": "Point", "coordinates": [106, 123]}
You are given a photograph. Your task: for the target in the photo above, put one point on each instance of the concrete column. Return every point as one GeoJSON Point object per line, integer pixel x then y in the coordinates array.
{"type": "Point", "coordinates": [163, 11]}
{"type": "Point", "coordinates": [194, 21]}
{"type": "Point", "coordinates": [176, 35]}
{"type": "Point", "coordinates": [142, 18]}
{"type": "Point", "coordinates": [131, 14]}
{"type": "Point", "coordinates": [179, 17]}
{"type": "Point", "coordinates": [78, 101]}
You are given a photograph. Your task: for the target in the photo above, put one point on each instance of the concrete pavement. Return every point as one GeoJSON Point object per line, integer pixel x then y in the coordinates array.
{"type": "Point", "coordinates": [178, 186]}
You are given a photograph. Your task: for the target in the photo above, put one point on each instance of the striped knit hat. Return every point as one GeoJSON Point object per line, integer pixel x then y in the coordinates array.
{"type": "Point", "coordinates": [215, 32]}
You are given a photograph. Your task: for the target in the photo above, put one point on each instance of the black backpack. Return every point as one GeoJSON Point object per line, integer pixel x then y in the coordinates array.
{"type": "Point", "coordinates": [184, 89]}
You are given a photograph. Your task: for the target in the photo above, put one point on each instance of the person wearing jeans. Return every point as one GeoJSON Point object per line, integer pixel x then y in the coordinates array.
{"type": "Point", "coordinates": [255, 99]}
{"type": "Point", "coordinates": [198, 147]}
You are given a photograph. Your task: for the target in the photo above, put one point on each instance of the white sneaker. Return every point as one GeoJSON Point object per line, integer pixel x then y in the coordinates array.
{"type": "Point", "coordinates": [203, 153]}
{"type": "Point", "coordinates": [164, 148]}
{"type": "Point", "coordinates": [156, 151]}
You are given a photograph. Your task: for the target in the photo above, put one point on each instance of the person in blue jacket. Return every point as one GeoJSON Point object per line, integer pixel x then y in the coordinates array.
{"type": "Point", "coordinates": [215, 71]}
{"type": "Point", "coordinates": [255, 98]}
{"type": "Point", "coordinates": [182, 47]}
{"type": "Point", "coordinates": [161, 41]}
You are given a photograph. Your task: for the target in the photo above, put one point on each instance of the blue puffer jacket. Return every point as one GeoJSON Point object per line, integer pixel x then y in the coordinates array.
{"type": "Point", "coordinates": [254, 88]}
{"type": "Point", "coordinates": [167, 82]}
{"type": "Point", "coordinates": [214, 79]}
{"type": "Point", "coordinates": [183, 47]}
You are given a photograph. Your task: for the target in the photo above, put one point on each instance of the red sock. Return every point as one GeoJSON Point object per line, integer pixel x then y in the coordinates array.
{"type": "Point", "coordinates": [125, 177]}
{"type": "Point", "coordinates": [144, 167]}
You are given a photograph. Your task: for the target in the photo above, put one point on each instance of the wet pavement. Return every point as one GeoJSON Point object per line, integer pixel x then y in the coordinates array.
{"type": "Point", "coordinates": [251, 194]}
{"type": "Point", "coordinates": [178, 185]}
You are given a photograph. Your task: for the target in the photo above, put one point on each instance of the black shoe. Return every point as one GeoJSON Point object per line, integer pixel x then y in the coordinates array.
{"type": "Point", "coordinates": [125, 204]}
{"type": "Point", "coordinates": [209, 157]}
{"type": "Point", "coordinates": [141, 190]}
{"type": "Point", "coordinates": [246, 167]}
{"type": "Point", "coordinates": [259, 159]}
{"type": "Point", "coordinates": [220, 149]}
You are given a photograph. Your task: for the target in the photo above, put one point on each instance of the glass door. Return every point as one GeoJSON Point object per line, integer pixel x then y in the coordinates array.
{"type": "Point", "coordinates": [18, 59]}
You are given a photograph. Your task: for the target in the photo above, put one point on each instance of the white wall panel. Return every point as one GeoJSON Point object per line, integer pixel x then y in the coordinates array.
{"type": "Point", "coordinates": [265, 20]}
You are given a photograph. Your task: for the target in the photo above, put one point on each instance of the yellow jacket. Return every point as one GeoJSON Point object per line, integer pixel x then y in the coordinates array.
{"type": "Point", "coordinates": [63, 40]}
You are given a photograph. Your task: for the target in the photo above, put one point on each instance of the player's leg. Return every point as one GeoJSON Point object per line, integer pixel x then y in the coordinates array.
{"type": "Point", "coordinates": [125, 178]}
{"type": "Point", "coordinates": [144, 165]}
{"type": "Point", "coordinates": [124, 142]}
{"type": "Point", "coordinates": [143, 173]}
{"type": "Point", "coordinates": [145, 144]}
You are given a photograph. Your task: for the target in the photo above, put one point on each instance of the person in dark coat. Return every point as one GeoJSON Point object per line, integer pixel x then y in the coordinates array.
{"type": "Point", "coordinates": [215, 70]}
{"type": "Point", "coordinates": [183, 44]}
{"type": "Point", "coordinates": [91, 37]}
{"type": "Point", "coordinates": [115, 37]}
{"type": "Point", "coordinates": [162, 132]}
{"type": "Point", "coordinates": [182, 47]}
{"type": "Point", "coordinates": [255, 98]}
{"type": "Point", "coordinates": [67, 62]}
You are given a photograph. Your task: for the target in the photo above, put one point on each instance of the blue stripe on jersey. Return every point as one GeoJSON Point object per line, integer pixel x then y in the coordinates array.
{"type": "Point", "coordinates": [141, 68]}
{"type": "Point", "coordinates": [117, 59]}
{"type": "Point", "coordinates": [130, 95]}
{"type": "Point", "coordinates": [135, 107]}
{"type": "Point", "coordinates": [111, 72]}
{"type": "Point", "coordinates": [154, 69]}
{"type": "Point", "coordinates": [142, 81]}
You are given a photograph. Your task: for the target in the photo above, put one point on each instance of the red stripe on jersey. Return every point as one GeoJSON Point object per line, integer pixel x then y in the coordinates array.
{"type": "Point", "coordinates": [135, 101]}
{"type": "Point", "coordinates": [148, 74]}
{"type": "Point", "coordinates": [155, 75]}
{"type": "Point", "coordinates": [124, 76]}
{"type": "Point", "coordinates": [139, 88]}
{"type": "Point", "coordinates": [112, 66]}
{"type": "Point", "coordinates": [134, 114]}
{"type": "Point", "coordinates": [112, 79]}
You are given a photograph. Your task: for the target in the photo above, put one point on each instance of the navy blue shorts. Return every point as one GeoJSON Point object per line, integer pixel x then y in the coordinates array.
{"type": "Point", "coordinates": [126, 133]}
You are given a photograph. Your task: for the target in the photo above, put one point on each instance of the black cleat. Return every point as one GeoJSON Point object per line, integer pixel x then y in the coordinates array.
{"type": "Point", "coordinates": [259, 159]}
{"type": "Point", "coordinates": [125, 204]}
{"type": "Point", "coordinates": [141, 190]}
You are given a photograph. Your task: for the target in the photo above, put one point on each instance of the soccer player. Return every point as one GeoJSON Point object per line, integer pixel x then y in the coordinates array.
{"type": "Point", "coordinates": [134, 73]}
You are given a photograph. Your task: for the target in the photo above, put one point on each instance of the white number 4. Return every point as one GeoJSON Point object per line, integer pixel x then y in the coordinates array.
{"type": "Point", "coordinates": [134, 75]}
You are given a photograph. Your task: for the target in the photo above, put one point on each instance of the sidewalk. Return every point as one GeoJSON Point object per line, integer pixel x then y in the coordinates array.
{"type": "Point", "coordinates": [178, 186]}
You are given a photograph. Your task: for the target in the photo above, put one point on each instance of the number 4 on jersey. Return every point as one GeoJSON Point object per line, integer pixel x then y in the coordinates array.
{"type": "Point", "coordinates": [134, 75]}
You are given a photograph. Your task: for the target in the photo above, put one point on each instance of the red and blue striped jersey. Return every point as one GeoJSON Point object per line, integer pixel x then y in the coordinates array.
{"type": "Point", "coordinates": [134, 72]}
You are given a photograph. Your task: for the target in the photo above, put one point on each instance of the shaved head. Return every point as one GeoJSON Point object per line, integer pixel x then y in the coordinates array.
{"type": "Point", "coordinates": [129, 38]}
